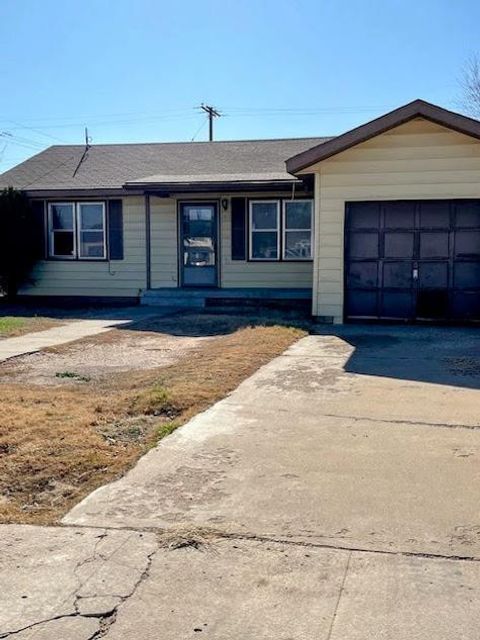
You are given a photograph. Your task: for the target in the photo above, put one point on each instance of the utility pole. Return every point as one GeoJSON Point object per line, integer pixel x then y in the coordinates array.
{"type": "Point", "coordinates": [211, 113]}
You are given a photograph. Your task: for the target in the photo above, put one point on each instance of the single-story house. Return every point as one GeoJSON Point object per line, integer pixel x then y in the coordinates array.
{"type": "Point", "coordinates": [382, 222]}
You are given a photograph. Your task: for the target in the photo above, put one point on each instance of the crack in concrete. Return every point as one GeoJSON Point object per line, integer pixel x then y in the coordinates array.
{"type": "Point", "coordinates": [340, 594]}
{"type": "Point", "coordinates": [287, 539]}
{"type": "Point", "coordinates": [413, 423]}
{"type": "Point", "coordinates": [106, 618]}
{"type": "Point", "coordinates": [44, 621]}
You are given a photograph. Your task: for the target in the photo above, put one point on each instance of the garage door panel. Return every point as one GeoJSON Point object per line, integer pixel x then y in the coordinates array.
{"type": "Point", "coordinates": [467, 244]}
{"type": "Point", "coordinates": [434, 244]}
{"type": "Point", "coordinates": [364, 245]}
{"type": "Point", "coordinates": [465, 305]}
{"type": "Point", "coordinates": [399, 215]}
{"type": "Point", "coordinates": [433, 275]}
{"type": "Point", "coordinates": [434, 214]}
{"type": "Point", "coordinates": [398, 244]}
{"type": "Point", "coordinates": [467, 214]}
{"type": "Point", "coordinates": [362, 304]}
{"type": "Point", "coordinates": [466, 275]}
{"type": "Point", "coordinates": [362, 275]}
{"type": "Point", "coordinates": [397, 275]}
{"type": "Point", "coordinates": [432, 304]}
{"type": "Point", "coordinates": [397, 305]}
{"type": "Point", "coordinates": [365, 215]}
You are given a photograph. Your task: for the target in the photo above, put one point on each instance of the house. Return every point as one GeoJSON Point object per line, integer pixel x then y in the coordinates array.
{"type": "Point", "coordinates": [382, 222]}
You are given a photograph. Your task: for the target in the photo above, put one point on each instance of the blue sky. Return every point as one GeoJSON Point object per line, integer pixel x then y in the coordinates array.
{"type": "Point", "coordinates": [134, 70]}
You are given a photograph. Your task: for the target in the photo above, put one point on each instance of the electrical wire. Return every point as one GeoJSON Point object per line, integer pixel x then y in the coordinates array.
{"type": "Point", "coordinates": [199, 129]}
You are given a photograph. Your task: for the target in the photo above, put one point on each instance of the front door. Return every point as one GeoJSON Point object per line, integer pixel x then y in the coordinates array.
{"type": "Point", "coordinates": [198, 244]}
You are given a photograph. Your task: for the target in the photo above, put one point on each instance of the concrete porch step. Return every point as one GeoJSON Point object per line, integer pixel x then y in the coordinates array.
{"type": "Point", "coordinates": [231, 297]}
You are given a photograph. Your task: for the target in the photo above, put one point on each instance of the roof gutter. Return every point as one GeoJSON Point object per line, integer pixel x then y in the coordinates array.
{"type": "Point", "coordinates": [166, 188]}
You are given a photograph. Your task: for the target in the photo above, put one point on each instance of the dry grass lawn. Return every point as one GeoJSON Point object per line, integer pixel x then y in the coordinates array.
{"type": "Point", "coordinates": [13, 326]}
{"type": "Point", "coordinates": [58, 443]}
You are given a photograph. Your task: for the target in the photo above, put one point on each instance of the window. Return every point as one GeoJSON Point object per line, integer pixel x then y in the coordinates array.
{"type": "Point", "coordinates": [77, 230]}
{"type": "Point", "coordinates": [91, 229]}
{"type": "Point", "coordinates": [264, 230]}
{"type": "Point", "coordinates": [293, 227]}
{"type": "Point", "coordinates": [297, 229]}
{"type": "Point", "coordinates": [62, 232]}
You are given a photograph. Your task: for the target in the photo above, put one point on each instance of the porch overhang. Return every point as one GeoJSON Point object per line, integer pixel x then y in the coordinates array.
{"type": "Point", "coordinates": [169, 184]}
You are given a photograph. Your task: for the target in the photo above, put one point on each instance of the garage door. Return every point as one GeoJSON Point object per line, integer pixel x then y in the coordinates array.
{"type": "Point", "coordinates": [407, 260]}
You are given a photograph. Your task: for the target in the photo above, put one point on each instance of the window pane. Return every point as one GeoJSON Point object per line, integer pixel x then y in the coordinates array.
{"type": "Point", "coordinates": [298, 215]}
{"type": "Point", "coordinates": [264, 215]}
{"type": "Point", "coordinates": [63, 243]}
{"type": "Point", "coordinates": [62, 216]}
{"type": "Point", "coordinates": [91, 216]}
{"type": "Point", "coordinates": [298, 245]}
{"type": "Point", "coordinates": [264, 245]}
{"type": "Point", "coordinates": [91, 244]}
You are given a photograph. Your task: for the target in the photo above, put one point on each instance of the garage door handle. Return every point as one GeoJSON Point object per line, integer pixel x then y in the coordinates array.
{"type": "Point", "coordinates": [415, 273]}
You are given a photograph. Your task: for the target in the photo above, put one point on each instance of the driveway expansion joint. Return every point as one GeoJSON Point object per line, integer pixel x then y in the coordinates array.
{"type": "Point", "coordinates": [217, 534]}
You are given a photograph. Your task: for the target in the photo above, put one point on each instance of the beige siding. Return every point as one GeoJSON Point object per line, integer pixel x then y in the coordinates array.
{"type": "Point", "coordinates": [128, 277]}
{"type": "Point", "coordinates": [233, 273]}
{"type": "Point", "coordinates": [164, 244]}
{"type": "Point", "coordinates": [113, 278]}
{"type": "Point", "coordinates": [242, 273]}
{"type": "Point", "coordinates": [417, 160]}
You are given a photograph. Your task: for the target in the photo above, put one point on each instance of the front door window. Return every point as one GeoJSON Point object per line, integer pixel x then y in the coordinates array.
{"type": "Point", "coordinates": [199, 244]}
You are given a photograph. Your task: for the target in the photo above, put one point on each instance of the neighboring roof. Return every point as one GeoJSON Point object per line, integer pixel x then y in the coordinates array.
{"type": "Point", "coordinates": [415, 109]}
{"type": "Point", "coordinates": [112, 166]}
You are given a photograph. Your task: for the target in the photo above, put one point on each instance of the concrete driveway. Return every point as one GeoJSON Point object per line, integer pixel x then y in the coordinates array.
{"type": "Point", "coordinates": [333, 495]}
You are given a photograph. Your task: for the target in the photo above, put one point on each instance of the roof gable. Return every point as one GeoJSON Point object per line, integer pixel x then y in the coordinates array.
{"type": "Point", "coordinates": [415, 109]}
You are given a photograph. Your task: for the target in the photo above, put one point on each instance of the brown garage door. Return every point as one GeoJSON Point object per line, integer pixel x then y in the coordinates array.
{"type": "Point", "coordinates": [407, 260]}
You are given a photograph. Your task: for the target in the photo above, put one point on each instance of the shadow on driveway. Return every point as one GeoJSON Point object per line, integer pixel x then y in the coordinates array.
{"type": "Point", "coordinates": [437, 355]}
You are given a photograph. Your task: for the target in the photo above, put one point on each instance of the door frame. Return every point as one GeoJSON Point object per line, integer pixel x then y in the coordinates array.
{"type": "Point", "coordinates": [217, 244]}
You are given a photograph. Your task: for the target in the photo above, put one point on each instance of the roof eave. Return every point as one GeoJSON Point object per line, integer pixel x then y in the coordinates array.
{"type": "Point", "coordinates": [415, 109]}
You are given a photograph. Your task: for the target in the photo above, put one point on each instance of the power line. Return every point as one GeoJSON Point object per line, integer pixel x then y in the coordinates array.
{"type": "Point", "coordinates": [19, 125]}
{"type": "Point", "coordinates": [204, 122]}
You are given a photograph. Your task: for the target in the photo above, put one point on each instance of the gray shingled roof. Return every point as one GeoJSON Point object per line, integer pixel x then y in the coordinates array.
{"type": "Point", "coordinates": [113, 165]}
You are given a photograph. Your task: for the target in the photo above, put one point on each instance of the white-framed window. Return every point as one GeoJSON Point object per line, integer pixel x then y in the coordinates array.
{"type": "Point", "coordinates": [264, 229]}
{"type": "Point", "coordinates": [77, 230]}
{"type": "Point", "coordinates": [61, 228]}
{"type": "Point", "coordinates": [297, 229]}
{"type": "Point", "coordinates": [91, 230]}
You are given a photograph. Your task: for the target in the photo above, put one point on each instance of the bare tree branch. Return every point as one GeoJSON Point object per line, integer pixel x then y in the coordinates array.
{"type": "Point", "coordinates": [470, 83]}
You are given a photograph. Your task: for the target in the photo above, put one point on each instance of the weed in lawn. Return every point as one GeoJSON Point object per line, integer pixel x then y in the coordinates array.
{"type": "Point", "coordinates": [78, 377]}
{"type": "Point", "coordinates": [165, 430]}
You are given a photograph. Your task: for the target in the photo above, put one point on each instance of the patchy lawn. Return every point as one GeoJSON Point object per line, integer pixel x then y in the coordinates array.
{"type": "Point", "coordinates": [13, 326]}
{"type": "Point", "coordinates": [59, 442]}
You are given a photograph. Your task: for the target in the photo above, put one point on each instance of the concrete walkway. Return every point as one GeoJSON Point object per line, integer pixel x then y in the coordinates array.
{"type": "Point", "coordinates": [76, 329]}
{"type": "Point", "coordinates": [332, 496]}
{"type": "Point", "coordinates": [32, 342]}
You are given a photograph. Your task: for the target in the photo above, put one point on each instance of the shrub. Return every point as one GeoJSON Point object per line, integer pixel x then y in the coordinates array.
{"type": "Point", "coordinates": [17, 241]}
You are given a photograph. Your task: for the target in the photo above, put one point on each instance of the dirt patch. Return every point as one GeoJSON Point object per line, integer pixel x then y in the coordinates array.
{"type": "Point", "coordinates": [93, 359]}
{"type": "Point", "coordinates": [58, 443]}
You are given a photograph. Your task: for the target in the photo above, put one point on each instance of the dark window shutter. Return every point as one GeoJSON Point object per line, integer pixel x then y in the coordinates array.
{"type": "Point", "coordinates": [239, 228]}
{"type": "Point", "coordinates": [39, 236]}
{"type": "Point", "coordinates": [115, 230]}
